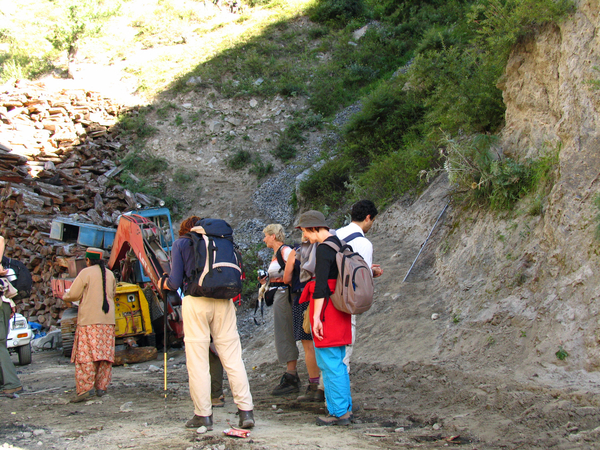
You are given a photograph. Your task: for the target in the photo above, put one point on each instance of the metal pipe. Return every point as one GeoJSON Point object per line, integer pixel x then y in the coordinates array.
{"type": "Point", "coordinates": [425, 243]}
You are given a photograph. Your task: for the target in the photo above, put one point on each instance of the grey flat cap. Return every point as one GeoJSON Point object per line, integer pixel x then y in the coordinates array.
{"type": "Point", "coordinates": [312, 219]}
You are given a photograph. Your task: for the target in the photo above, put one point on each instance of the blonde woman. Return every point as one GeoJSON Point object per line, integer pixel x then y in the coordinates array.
{"type": "Point", "coordinates": [285, 342]}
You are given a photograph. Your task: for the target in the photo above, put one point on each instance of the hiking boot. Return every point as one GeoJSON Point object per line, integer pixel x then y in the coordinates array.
{"type": "Point", "coordinates": [218, 402]}
{"type": "Point", "coordinates": [313, 394]}
{"type": "Point", "coordinates": [332, 420]}
{"type": "Point", "coordinates": [199, 421]}
{"type": "Point", "coordinates": [289, 384]}
{"type": "Point", "coordinates": [246, 419]}
{"type": "Point", "coordinates": [81, 397]}
{"type": "Point", "coordinates": [12, 393]}
{"type": "Point", "coordinates": [320, 396]}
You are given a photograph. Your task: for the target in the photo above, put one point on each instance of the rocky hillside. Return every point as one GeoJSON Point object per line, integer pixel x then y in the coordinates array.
{"type": "Point", "coordinates": [522, 289]}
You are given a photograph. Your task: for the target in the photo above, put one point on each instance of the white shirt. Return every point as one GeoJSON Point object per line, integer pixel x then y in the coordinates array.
{"type": "Point", "coordinates": [275, 270]}
{"type": "Point", "coordinates": [360, 245]}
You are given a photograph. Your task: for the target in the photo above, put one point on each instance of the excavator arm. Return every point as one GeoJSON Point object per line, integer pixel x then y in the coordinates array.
{"type": "Point", "coordinates": [140, 236]}
{"type": "Point", "coordinates": [139, 239]}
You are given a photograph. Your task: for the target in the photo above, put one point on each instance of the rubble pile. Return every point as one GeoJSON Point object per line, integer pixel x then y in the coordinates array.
{"type": "Point", "coordinates": [57, 153]}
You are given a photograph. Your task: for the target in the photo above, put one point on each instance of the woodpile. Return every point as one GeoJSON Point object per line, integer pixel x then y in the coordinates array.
{"type": "Point", "coordinates": [57, 153]}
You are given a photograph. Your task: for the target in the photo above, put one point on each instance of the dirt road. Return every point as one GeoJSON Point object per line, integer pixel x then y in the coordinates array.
{"type": "Point", "coordinates": [428, 406]}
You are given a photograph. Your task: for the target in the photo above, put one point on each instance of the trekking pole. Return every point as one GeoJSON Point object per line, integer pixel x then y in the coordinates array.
{"type": "Point", "coordinates": [425, 243]}
{"type": "Point", "coordinates": [165, 320]}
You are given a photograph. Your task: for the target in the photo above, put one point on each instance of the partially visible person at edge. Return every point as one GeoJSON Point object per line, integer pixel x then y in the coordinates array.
{"type": "Point", "coordinates": [8, 374]}
{"type": "Point", "coordinates": [332, 329]}
{"type": "Point", "coordinates": [287, 313]}
{"type": "Point", "coordinates": [204, 317]}
{"type": "Point", "coordinates": [94, 345]}
{"type": "Point", "coordinates": [363, 215]}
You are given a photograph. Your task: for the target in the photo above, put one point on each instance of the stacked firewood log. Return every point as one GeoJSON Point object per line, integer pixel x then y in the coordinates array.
{"type": "Point", "coordinates": [57, 153]}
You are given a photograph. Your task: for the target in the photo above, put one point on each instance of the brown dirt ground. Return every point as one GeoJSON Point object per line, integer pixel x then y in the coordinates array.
{"type": "Point", "coordinates": [409, 397]}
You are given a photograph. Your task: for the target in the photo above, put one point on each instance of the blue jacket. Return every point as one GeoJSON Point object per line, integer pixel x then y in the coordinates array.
{"type": "Point", "coordinates": [182, 263]}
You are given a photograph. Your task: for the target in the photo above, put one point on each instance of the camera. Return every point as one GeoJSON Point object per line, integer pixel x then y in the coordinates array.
{"type": "Point", "coordinates": [262, 273]}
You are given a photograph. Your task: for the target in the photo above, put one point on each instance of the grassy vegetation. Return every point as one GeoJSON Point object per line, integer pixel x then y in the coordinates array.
{"type": "Point", "coordinates": [133, 125]}
{"type": "Point", "coordinates": [483, 175]}
{"type": "Point", "coordinates": [242, 159]}
{"type": "Point", "coordinates": [183, 176]}
{"type": "Point", "coordinates": [457, 52]}
{"type": "Point", "coordinates": [425, 72]}
{"type": "Point", "coordinates": [252, 263]}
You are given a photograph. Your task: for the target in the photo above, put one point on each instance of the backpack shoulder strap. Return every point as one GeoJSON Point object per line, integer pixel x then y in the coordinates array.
{"type": "Point", "coordinates": [353, 236]}
{"type": "Point", "coordinates": [279, 257]}
{"type": "Point", "coordinates": [196, 238]}
{"type": "Point", "coordinates": [333, 245]}
{"type": "Point", "coordinates": [337, 248]}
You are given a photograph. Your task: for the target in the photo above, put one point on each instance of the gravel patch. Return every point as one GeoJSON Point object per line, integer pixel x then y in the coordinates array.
{"type": "Point", "coordinates": [273, 197]}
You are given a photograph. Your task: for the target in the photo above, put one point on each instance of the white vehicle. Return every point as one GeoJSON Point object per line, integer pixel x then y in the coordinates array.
{"type": "Point", "coordinates": [19, 338]}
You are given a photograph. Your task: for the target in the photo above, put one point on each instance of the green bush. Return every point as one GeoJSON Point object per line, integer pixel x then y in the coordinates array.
{"type": "Point", "coordinates": [81, 18]}
{"type": "Point", "coordinates": [285, 150]}
{"type": "Point", "coordinates": [328, 184]}
{"type": "Point", "coordinates": [260, 169]}
{"type": "Point", "coordinates": [392, 175]}
{"type": "Point", "coordinates": [239, 160]}
{"type": "Point", "coordinates": [384, 143]}
{"type": "Point", "coordinates": [501, 23]}
{"type": "Point", "coordinates": [134, 123]}
{"type": "Point", "coordinates": [483, 175]}
{"type": "Point", "coordinates": [17, 64]}
{"type": "Point", "coordinates": [184, 176]}
{"type": "Point", "coordinates": [144, 163]}
{"type": "Point", "coordinates": [458, 87]}
{"type": "Point", "coordinates": [318, 32]}
{"type": "Point", "coordinates": [252, 263]}
{"type": "Point", "coordinates": [454, 53]}
{"type": "Point", "coordinates": [597, 203]}
{"type": "Point", "coordinates": [337, 12]}
{"type": "Point", "coordinates": [388, 114]}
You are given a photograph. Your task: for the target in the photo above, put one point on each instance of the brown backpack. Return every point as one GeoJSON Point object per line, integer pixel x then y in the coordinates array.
{"type": "Point", "coordinates": [354, 288]}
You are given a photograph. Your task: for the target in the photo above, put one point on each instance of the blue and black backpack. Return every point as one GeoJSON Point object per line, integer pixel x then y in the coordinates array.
{"type": "Point", "coordinates": [218, 271]}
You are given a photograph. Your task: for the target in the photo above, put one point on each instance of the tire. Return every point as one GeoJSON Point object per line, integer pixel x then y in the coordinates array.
{"type": "Point", "coordinates": [67, 343]}
{"type": "Point", "coordinates": [149, 340]}
{"type": "Point", "coordinates": [68, 325]}
{"type": "Point", "coordinates": [24, 352]}
{"type": "Point", "coordinates": [156, 308]}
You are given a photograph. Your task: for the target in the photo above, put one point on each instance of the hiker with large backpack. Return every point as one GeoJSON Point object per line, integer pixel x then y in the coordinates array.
{"type": "Point", "coordinates": [331, 328]}
{"type": "Point", "coordinates": [214, 362]}
{"type": "Point", "coordinates": [207, 266]}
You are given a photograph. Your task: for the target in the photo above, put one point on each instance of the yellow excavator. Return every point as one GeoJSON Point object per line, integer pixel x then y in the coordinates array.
{"type": "Point", "coordinates": [139, 257]}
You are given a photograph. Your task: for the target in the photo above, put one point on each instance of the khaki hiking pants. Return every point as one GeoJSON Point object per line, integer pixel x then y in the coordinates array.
{"type": "Point", "coordinates": [203, 317]}
{"type": "Point", "coordinates": [283, 326]}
